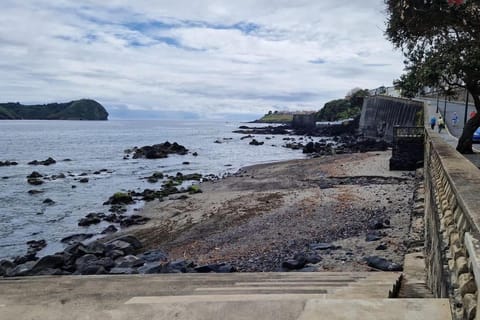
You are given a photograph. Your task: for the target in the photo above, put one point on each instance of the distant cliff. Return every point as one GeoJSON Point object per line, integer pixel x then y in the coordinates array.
{"type": "Point", "coordinates": [84, 109]}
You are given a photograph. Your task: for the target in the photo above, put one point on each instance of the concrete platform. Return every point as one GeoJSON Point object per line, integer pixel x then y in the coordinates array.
{"type": "Point", "coordinates": [282, 296]}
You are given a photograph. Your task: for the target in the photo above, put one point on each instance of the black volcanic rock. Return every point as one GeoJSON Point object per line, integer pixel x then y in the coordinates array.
{"type": "Point", "coordinates": [46, 162]}
{"type": "Point", "coordinates": [8, 163]}
{"type": "Point", "coordinates": [158, 151]}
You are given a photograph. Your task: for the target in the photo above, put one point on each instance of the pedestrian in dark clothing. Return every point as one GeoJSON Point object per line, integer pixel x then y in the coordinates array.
{"type": "Point", "coordinates": [433, 121]}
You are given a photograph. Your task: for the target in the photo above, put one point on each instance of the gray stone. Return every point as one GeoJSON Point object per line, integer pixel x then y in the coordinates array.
{"type": "Point", "coordinates": [136, 244]}
{"type": "Point", "coordinates": [383, 264]}
{"type": "Point", "coordinates": [293, 264]}
{"type": "Point", "coordinates": [123, 246]}
{"type": "Point", "coordinates": [129, 261]}
{"type": "Point", "coordinates": [322, 246]}
{"type": "Point", "coordinates": [86, 260]}
{"type": "Point", "coordinates": [123, 271]}
{"type": "Point", "coordinates": [96, 247]}
{"type": "Point", "coordinates": [372, 237]}
{"type": "Point", "coordinates": [21, 269]}
{"type": "Point", "coordinates": [48, 262]}
{"type": "Point", "coordinates": [114, 254]}
{"type": "Point", "coordinates": [5, 266]}
{"type": "Point", "coordinates": [93, 269]}
{"type": "Point", "coordinates": [151, 268]}
{"type": "Point", "coordinates": [77, 238]}
{"type": "Point", "coordinates": [154, 256]}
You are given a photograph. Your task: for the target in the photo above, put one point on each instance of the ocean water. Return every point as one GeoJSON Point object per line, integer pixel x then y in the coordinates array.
{"type": "Point", "coordinates": [93, 146]}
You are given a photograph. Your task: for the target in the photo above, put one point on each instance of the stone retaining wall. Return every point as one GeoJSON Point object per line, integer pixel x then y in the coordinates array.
{"type": "Point", "coordinates": [452, 220]}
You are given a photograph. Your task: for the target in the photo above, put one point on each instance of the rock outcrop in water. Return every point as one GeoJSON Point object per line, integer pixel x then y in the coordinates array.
{"type": "Point", "coordinates": [84, 109]}
{"type": "Point", "coordinates": [157, 151]}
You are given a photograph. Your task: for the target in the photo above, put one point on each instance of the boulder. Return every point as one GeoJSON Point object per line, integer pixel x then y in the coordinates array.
{"type": "Point", "coordinates": [34, 181]}
{"type": "Point", "coordinates": [110, 229]}
{"type": "Point", "coordinates": [293, 264]}
{"type": "Point", "coordinates": [218, 268]}
{"type": "Point", "coordinates": [123, 271]}
{"type": "Point", "coordinates": [114, 254]}
{"type": "Point", "coordinates": [134, 242]}
{"type": "Point", "coordinates": [93, 269]}
{"type": "Point", "coordinates": [36, 245]}
{"type": "Point", "coordinates": [91, 218]}
{"type": "Point", "coordinates": [178, 266]}
{"type": "Point", "coordinates": [158, 151]}
{"type": "Point", "coordinates": [48, 262]}
{"type": "Point", "coordinates": [21, 270]}
{"type": "Point", "coordinates": [151, 268]}
{"type": "Point", "coordinates": [129, 261]}
{"type": "Point", "coordinates": [5, 266]}
{"type": "Point", "coordinates": [96, 247]}
{"type": "Point", "coordinates": [85, 260]}
{"type": "Point", "coordinates": [382, 264]}
{"type": "Point", "coordinates": [120, 198]}
{"type": "Point", "coordinates": [48, 201]}
{"type": "Point", "coordinates": [30, 256]}
{"type": "Point", "coordinates": [46, 162]}
{"type": "Point", "coordinates": [133, 220]}
{"type": "Point", "coordinates": [79, 237]}
{"type": "Point", "coordinates": [254, 142]}
{"type": "Point", "coordinates": [154, 256]}
{"type": "Point", "coordinates": [119, 245]}
{"type": "Point", "coordinates": [8, 163]}
{"type": "Point", "coordinates": [34, 175]}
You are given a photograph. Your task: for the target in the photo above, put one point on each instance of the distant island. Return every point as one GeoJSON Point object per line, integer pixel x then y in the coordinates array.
{"type": "Point", "coordinates": [84, 109]}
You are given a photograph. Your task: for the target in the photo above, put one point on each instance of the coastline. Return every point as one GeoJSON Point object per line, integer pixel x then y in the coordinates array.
{"type": "Point", "coordinates": [271, 214]}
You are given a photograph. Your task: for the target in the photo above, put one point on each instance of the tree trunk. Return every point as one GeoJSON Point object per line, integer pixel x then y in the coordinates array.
{"type": "Point", "coordinates": [464, 145]}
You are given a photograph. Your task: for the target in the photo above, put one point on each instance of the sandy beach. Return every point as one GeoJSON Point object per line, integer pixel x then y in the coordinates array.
{"type": "Point", "coordinates": [322, 208]}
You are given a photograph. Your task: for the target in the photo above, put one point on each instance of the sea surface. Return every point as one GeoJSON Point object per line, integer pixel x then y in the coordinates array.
{"type": "Point", "coordinates": [93, 146]}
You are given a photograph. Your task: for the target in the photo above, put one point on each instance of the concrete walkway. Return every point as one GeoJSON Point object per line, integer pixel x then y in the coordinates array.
{"type": "Point", "coordinates": [279, 296]}
{"type": "Point", "coordinates": [451, 133]}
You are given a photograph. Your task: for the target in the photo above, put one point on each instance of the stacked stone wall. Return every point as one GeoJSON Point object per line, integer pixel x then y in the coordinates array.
{"type": "Point", "coordinates": [452, 216]}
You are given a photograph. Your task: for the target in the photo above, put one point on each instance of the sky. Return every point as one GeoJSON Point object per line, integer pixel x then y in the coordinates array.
{"type": "Point", "coordinates": [195, 58]}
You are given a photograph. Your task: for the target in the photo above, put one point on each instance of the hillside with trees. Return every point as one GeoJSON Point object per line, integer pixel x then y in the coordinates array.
{"type": "Point", "coordinates": [339, 109]}
{"type": "Point", "coordinates": [84, 109]}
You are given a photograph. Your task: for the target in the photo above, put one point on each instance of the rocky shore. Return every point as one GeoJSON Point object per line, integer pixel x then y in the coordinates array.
{"type": "Point", "coordinates": [342, 212]}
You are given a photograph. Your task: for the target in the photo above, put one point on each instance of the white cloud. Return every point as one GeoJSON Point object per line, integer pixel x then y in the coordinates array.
{"type": "Point", "coordinates": [201, 56]}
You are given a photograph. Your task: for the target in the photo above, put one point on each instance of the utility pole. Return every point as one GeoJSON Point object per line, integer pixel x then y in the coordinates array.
{"type": "Point", "coordinates": [466, 107]}
{"type": "Point", "coordinates": [437, 100]}
{"type": "Point", "coordinates": [445, 111]}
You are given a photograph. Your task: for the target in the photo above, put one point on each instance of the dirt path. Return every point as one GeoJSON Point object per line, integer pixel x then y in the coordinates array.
{"type": "Point", "coordinates": [267, 214]}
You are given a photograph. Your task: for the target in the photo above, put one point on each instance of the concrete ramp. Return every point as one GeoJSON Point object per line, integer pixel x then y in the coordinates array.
{"type": "Point", "coordinates": [266, 296]}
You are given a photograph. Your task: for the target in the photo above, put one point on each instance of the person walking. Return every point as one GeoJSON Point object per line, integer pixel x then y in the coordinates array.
{"type": "Point", "coordinates": [433, 122]}
{"type": "Point", "coordinates": [441, 124]}
{"type": "Point", "coordinates": [454, 119]}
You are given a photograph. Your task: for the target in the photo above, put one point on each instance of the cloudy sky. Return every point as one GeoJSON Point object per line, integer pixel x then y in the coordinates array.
{"type": "Point", "coordinates": [202, 57]}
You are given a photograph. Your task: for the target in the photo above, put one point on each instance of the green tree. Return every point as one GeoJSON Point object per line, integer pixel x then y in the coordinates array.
{"type": "Point", "coordinates": [337, 110]}
{"type": "Point", "coordinates": [441, 43]}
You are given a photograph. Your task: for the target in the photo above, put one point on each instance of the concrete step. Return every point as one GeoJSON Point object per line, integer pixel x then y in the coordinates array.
{"type": "Point", "coordinates": [287, 296]}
